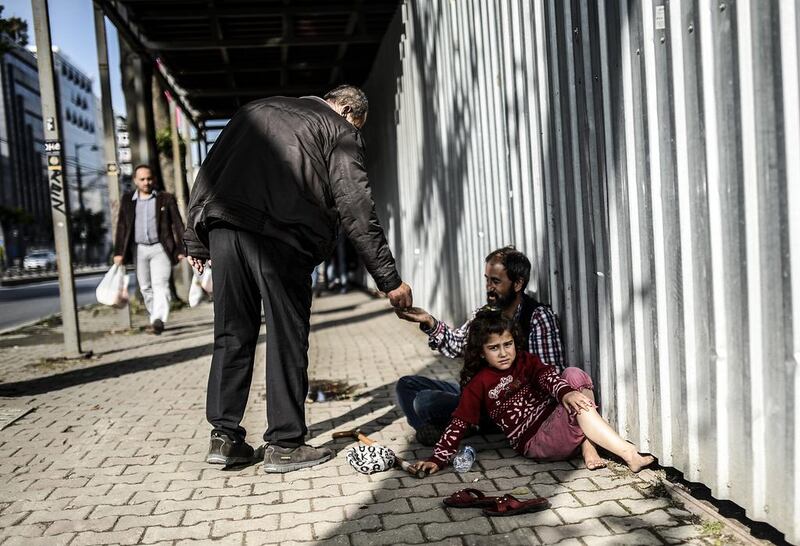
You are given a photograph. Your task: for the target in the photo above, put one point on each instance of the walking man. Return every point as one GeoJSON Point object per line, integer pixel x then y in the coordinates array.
{"type": "Point", "coordinates": [267, 205]}
{"type": "Point", "coordinates": [150, 228]}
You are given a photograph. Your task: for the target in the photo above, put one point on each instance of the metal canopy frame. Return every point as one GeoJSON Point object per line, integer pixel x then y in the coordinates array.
{"type": "Point", "coordinates": [215, 55]}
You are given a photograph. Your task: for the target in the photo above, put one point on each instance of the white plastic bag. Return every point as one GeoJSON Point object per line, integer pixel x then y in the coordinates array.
{"type": "Point", "coordinates": [113, 289]}
{"type": "Point", "coordinates": [195, 291]}
{"type": "Point", "coordinates": [206, 282]}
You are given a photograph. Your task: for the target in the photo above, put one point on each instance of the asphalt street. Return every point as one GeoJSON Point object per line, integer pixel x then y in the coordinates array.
{"type": "Point", "coordinates": [25, 303]}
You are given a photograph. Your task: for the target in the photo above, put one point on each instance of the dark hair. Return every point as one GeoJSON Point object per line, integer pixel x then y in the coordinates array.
{"type": "Point", "coordinates": [518, 266]}
{"type": "Point", "coordinates": [349, 95]}
{"type": "Point", "coordinates": [487, 321]}
{"type": "Point", "coordinates": [143, 166]}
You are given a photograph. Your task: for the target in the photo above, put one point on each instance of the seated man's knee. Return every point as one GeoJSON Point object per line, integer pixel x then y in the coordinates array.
{"type": "Point", "coordinates": [577, 378]}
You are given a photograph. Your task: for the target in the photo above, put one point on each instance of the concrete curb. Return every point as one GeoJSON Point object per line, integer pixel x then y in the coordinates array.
{"type": "Point", "coordinates": [16, 281]}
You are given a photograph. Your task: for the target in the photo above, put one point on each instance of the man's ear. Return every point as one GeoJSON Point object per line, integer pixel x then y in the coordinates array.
{"type": "Point", "coordinates": [518, 285]}
{"type": "Point", "coordinates": [346, 109]}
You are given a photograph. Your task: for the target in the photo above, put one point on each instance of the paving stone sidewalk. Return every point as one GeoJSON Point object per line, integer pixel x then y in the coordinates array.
{"type": "Point", "coordinates": [113, 451]}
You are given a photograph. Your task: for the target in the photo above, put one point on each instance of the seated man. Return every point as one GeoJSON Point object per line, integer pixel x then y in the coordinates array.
{"type": "Point", "coordinates": [429, 403]}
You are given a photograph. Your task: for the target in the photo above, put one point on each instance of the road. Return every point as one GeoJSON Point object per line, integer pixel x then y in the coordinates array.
{"type": "Point", "coordinates": [30, 302]}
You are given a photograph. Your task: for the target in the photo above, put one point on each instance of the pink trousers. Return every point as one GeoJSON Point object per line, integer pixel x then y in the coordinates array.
{"type": "Point", "coordinates": [560, 436]}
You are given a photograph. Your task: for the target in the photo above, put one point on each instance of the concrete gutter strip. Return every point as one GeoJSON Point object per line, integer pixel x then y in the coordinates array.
{"type": "Point", "coordinates": [703, 509]}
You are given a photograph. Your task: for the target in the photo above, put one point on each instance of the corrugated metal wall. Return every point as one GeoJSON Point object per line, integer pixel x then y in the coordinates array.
{"type": "Point", "coordinates": [646, 155]}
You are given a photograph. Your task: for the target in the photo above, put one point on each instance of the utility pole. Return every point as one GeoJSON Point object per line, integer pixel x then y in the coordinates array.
{"type": "Point", "coordinates": [110, 140]}
{"type": "Point", "coordinates": [59, 196]}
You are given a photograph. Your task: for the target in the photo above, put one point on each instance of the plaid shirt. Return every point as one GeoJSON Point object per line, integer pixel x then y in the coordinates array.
{"type": "Point", "coordinates": [544, 339]}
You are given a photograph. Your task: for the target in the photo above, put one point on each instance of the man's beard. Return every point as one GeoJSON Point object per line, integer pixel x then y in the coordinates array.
{"type": "Point", "coordinates": [501, 301]}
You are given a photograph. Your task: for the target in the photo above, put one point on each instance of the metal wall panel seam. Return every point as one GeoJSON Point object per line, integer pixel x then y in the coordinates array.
{"type": "Point", "coordinates": [594, 184]}
{"type": "Point", "coordinates": [499, 127]}
{"type": "Point", "coordinates": [543, 94]}
{"type": "Point", "coordinates": [450, 134]}
{"type": "Point", "coordinates": [580, 290]}
{"type": "Point", "coordinates": [464, 124]}
{"type": "Point", "coordinates": [512, 134]}
{"type": "Point", "coordinates": [615, 370]}
{"type": "Point", "coordinates": [717, 254]}
{"type": "Point", "coordinates": [664, 358]}
{"type": "Point", "coordinates": [549, 170]}
{"type": "Point", "coordinates": [685, 212]}
{"type": "Point", "coordinates": [562, 296]}
{"type": "Point", "coordinates": [790, 18]}
{"type": "Point", "coordinates": [522, 197]}
{"type": "Point", "coordinates": [537, 107]}
{"type": "Point", "coordinates": [481, 181]}
{"type": "Point", "coordinates": [753, 253]}
{"type": "Point", "coordinates": [490, 176]}
{"type": "Point", "coordinates": [642, 379]}
{"type": "Point", "coordinates": [470, 232]}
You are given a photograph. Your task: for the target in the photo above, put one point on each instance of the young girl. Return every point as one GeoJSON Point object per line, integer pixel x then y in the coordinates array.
{"type": "Point", "coordinates": [545, 416]}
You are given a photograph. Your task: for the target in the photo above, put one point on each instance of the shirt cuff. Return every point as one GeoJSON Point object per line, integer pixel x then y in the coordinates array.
{"type": "Point", "coordinates": [431, 330]}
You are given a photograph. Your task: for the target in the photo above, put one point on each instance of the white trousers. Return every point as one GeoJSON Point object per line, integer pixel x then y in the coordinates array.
{"type": "Point", "coordinates": [153, 268]}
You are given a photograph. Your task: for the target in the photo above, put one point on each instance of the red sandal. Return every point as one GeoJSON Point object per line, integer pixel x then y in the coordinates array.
{"type": "Point", "coordinates": [469, 498]}
{"type": "Point", "coordinates": [507, 505]}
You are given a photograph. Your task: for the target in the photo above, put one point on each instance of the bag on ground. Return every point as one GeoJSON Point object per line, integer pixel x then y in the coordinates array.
{"type": "Point", "coordinates": [113, 289]}
{"type": "Point", "coordinates": [369, 459]}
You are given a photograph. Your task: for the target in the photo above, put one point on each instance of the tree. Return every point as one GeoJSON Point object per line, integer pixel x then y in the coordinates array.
{"type": "Point", "coordinates": [14, 30]}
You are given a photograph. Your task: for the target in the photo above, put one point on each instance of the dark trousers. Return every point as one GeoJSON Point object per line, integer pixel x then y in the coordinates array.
{"type": "Point", "coordinates": [249, 270]}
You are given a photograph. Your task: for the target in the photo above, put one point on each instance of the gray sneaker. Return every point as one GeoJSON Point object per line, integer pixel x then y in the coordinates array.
{"type": "Point", "coordinates": [287, 459]}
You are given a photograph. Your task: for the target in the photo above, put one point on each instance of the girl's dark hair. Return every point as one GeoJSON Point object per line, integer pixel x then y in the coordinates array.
{"type": "Point", "coordinates": [487, 321]}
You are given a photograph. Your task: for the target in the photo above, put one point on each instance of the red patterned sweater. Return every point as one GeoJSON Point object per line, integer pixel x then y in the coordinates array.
{"type": "Point", "coordinates": [518, 400]}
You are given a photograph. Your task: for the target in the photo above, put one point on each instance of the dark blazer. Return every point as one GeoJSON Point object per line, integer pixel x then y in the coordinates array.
{"type": "Point", "coordinates": [170, 227]}
{"type": "Point", "coordinates": [293, 170]}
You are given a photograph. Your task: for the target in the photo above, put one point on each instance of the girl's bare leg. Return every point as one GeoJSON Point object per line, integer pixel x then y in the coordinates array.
{"type": "Point", "coordinates": [601, 433]}
{"type": "Point", "coordinates": [591, 457]}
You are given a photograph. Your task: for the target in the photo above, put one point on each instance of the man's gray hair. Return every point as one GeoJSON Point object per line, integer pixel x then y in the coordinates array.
{"type": "Point", "coordinates": [349, 95]}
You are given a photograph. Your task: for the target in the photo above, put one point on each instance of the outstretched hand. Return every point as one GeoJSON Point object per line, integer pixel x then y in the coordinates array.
{"type": "Point", "coordinates": [415, 314]}
{"type": "Point", "coordinates": [430, 467]}
{"type": "Point", "coordinates": [401, 296]}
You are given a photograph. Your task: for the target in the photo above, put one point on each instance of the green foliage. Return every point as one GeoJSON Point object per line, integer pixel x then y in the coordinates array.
{"type": "Point", "coordinates": [164, 143]}
{"type": "Point", "coordinates": [15, 31]}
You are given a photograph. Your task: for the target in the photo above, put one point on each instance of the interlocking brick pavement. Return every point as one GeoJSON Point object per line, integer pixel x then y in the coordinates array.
{"type": "Point", "coordinates": [114, 451]}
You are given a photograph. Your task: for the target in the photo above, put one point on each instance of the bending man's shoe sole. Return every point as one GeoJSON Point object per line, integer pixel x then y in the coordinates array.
{"type": "Point", "coordinates": [283, 459]}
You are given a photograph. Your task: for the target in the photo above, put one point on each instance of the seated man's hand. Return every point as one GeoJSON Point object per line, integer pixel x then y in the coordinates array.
{"type": "Point", "coordinates": [431, 468]}
{"type": "Point", "coordinates": [401, 296]}
{"type": "Point", "coordinates": [117, 260]}
{"type": "Point", "coordinates": [197, 263]}
{"type": "Point", "coordinates": [416, 314]}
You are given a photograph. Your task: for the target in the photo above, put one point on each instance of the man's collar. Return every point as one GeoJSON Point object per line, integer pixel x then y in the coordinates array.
{"type": "Point", "coordinates": [136, 195]}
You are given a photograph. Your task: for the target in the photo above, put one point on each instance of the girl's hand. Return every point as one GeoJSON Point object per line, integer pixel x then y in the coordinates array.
{"type": "Point", "coordinates": [577, 402]}
{"type": "Point", "coordinates": [432, 468]}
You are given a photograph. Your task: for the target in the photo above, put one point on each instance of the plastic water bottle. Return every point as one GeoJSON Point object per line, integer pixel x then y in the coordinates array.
{"type": "Point", "coordinates": [463, 460]}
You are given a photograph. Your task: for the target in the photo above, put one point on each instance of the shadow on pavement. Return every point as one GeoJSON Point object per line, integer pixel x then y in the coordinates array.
{"type": "Point", "coordinates": [349, 319]}
{"type": "Point", "coordinates": [100, 372]}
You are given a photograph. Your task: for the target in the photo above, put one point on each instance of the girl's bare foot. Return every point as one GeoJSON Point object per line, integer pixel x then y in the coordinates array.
{"type": "Point", "coordinates": [591, 458]}
{"type": "Point", "coordinates": [636, 461]}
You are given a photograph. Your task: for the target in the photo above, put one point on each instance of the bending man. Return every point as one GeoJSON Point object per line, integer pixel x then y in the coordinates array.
{"type": "Point", "coordinates": [269, 199]}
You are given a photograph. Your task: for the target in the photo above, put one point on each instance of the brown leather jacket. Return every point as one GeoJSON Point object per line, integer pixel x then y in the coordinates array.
{"type": "Point", "coordinates": [170, 227]}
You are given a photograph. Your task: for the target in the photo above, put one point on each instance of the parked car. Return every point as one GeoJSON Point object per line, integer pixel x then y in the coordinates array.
{"type": "Point", "coordinates": [39, 259]}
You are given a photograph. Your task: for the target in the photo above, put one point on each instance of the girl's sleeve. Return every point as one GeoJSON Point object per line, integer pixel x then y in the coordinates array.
{"type": "Point", "coordinates": [467, 413]}
{"type": "Point", "coordinates": [447, 446]}
{"type": "Point", "coordinates": [547, 378]}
